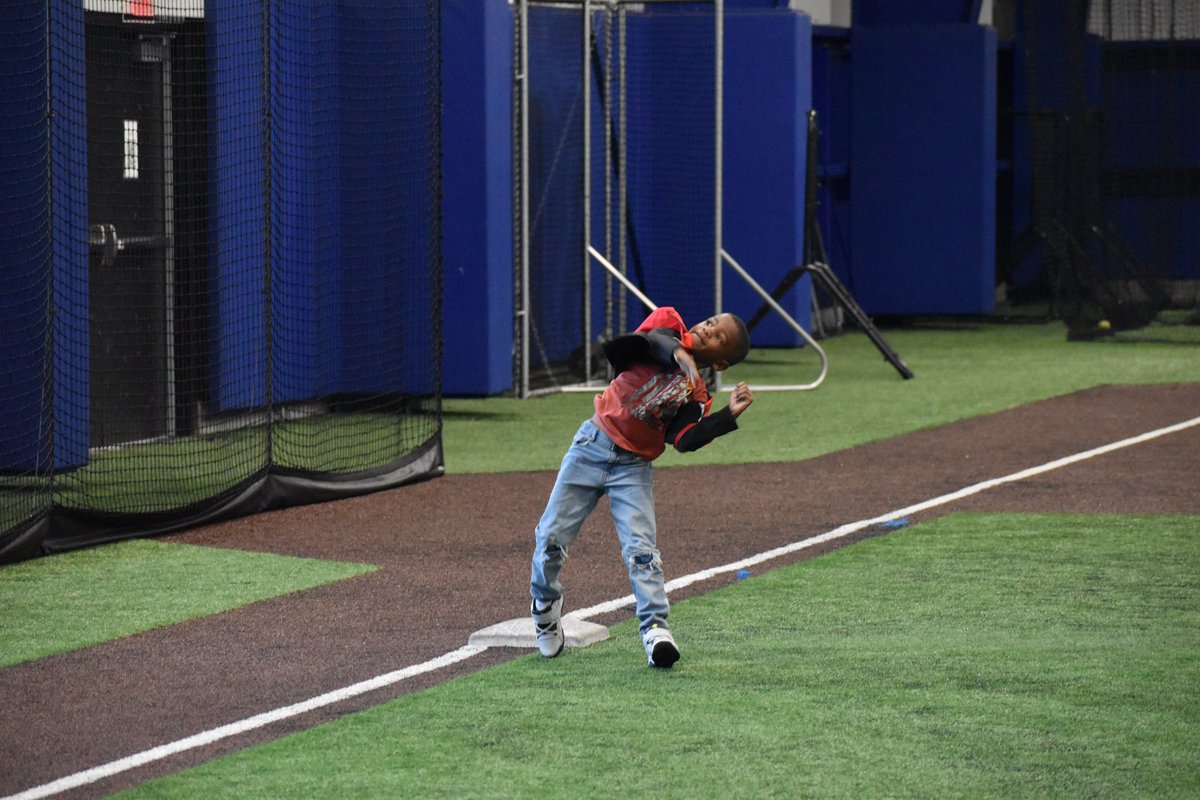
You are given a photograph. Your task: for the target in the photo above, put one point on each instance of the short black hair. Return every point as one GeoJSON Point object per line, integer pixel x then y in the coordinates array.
{"type": "Point", "coordinates": [741, 347]}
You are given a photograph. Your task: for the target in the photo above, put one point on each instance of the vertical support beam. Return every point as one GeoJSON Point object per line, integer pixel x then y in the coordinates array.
{"type": "Point", "coordinates": [622, 176]}
{"type": "Point", "coordinates": [607, 97]}
{"type": "Point", "coordinates": [521, 118]}
{"type": "Point", "coordinates": [167, 88]}
{"type": "Point", "coordinates": [718, 144]}
{"type": "Point", "coordinates": [587, 189]}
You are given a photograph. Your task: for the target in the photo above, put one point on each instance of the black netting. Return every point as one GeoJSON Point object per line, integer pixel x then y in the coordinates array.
{"type": "Point", "coordinates": [653, 109]}
{"type": "Point", "coordinates": [1109, 117]}
{"type": "Point", "coordinates": [222, 274]}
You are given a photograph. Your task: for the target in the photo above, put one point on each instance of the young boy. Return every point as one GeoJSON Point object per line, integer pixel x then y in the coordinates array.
{"type": "Point", "coordinates": [657, 397]}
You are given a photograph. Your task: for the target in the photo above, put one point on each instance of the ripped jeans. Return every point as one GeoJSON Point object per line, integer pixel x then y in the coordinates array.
{"type": "Point", "coordinates": [595, 466]}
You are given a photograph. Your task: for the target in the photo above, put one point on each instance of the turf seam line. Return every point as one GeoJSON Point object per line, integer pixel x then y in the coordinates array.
{"type": "Point", "coordinates": [213, 735]}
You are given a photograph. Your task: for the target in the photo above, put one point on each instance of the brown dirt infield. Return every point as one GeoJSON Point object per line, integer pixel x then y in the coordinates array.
{"type": "Point", "coordinates": [454, 557]}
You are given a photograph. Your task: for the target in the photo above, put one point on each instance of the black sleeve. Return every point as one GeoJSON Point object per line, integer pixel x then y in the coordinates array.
{"type": "Point", "coordinates": [690, 429]}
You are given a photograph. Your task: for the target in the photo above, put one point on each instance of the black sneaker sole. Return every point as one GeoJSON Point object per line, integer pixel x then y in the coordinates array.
{"type": "Point", "coordinates": [664, 655]}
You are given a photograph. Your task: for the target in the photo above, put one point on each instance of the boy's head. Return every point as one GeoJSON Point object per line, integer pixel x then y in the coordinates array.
{"type": "Point", "coordinates": [720, 341]}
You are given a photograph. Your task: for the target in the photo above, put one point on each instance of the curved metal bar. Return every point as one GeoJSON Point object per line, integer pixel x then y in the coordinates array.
{"type": "Point", "coordinates": [769, 300]}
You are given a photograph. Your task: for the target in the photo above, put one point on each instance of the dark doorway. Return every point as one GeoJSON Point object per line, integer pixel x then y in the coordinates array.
{"type": "Point", "coordinates": [146, 215]}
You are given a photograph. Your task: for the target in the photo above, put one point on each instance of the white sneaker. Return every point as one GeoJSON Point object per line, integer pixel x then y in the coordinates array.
{"type": "Point", "coordinates": [661, 649]}
{"type": "Point", "coordinates": [547, 627]}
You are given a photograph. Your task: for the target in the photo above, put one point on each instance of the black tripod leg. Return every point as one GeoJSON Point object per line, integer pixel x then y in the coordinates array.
{"type": "Point", "coordinates": [840, 293]}
{"type": "Point", "coordinates": [788, 281]}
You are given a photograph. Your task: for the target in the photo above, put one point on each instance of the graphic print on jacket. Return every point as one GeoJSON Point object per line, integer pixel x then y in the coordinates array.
{"type": "Point", "coordinates": [655, 402]}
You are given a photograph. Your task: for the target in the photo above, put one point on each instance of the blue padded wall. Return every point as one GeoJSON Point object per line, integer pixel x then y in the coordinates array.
{"type": "Point", "coordinates": [923, 169]}
{"type": "Point", "coordinates": [915, 12]}
{"type": "Point", "coordinates": [344, 134]}
{"type": "Point", "coordinates": [386, 187]}
{"type": "Point", "coordinates": [306, 263]}
{"type": "Point", "coordinates": [1149, 151]}
{"type": "Point", "coordinates": [768, 93]}
{"type": "Point", "coordinates": [24, 216]}
{"type": "Point", "coordinates": [477, 244]}
{"type": "Point", "coordinates": [237, 220]}
{"type": "Point", "coordinates": [71, 403]}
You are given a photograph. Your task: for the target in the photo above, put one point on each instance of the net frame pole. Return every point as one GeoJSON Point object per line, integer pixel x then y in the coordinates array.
{"type": "Point", "coordinates": [624, 279]}
{"type": "Point", "coordinates": [606, 95]}
{"type": "Point", "coordinates": [718, 161]}
{"type": "Point", "coordinates": [521, 87]}
{"type": "Point", "coordinates": [622, 174]}
{"type": "Point", "coordinates": [587, 189]}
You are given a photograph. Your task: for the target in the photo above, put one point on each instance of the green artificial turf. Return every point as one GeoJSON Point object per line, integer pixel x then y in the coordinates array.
{"type": "Point", "coordinates": [81, 598]}
{"type": "Point", "coordinates": [972, 656]}
{"type": "Point", "coordinates": [962, 370]}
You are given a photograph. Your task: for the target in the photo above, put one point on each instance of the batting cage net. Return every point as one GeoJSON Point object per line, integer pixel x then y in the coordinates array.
{"type": "Point", "coordinates": [221, 270]}
{"type": "Point", "coordinates": [614, 148]}
{"type": "Point", "coordinates": [1109, 116]}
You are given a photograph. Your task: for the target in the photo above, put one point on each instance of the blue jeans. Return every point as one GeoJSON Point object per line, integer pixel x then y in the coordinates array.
{"type": "Point", "coordinates": [595, 466]}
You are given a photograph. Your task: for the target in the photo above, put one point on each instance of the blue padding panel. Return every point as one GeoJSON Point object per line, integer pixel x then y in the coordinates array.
{"type": "Point", "coordinates": [68, 133]}
{"type": "Point", "coordinates": [387, 190]}
{"type": "Point", "coordinates": [237, 215]}
{"type": "Point", "coordinates": [923, 169]}
{"type": "Point", "coordinates": [671, 160]}
{"type": "Point", "coordinates": [24, 216]}
{"type": "Point", "coordinates": [306, 223]}
{"type": "Point", "coordinates": [477, 321]}
{"type": "Point", "coordinates": [45, 269]}
{"type": "Point", "coordinates": [768, 93]}
{"type": "Point", "coordinates": [1150, 126]}
{"type": "Point", "coordinates": [915, 12]}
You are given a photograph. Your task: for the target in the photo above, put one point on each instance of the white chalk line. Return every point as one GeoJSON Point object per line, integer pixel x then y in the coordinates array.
{"type": "Point", "coordinates": [852, 527]}
{"type": "Point", "coordinates": [208, 737]}
{"type": "Point", "coordinates": [213, 735]}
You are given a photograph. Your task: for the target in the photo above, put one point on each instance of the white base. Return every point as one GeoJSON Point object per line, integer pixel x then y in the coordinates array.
{"type": "Point", "coordinates": [519, 633]}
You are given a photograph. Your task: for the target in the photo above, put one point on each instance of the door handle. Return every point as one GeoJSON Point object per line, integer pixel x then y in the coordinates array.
{"type": "Point", "coordinates": [103, 237]}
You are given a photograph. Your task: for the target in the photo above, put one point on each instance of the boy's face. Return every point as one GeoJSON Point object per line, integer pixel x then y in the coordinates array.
{"type": "Point", "coordinates": [713, 341]}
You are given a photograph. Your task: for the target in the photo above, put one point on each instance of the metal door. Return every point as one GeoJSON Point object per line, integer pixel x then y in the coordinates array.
{"type": "Point", "coordinates": [131, 231]}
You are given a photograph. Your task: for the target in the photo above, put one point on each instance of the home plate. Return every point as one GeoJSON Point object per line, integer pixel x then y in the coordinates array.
{"type": "Point", "coordinates": [519, 633]}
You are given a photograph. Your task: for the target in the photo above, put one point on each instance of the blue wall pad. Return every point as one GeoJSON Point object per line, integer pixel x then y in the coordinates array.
{"type": "Point", "coordinates": [915, 12]}
{"type": "Point", "coordinates": [238, 217]}
{"type": "Point", "coordinates": [387, 187]}
{"type": "Point", "coordinates": [477, 244]}
{"type": "Point", "coordinates": [306, 216]}
{"type": "Point", "coordinates": [68, 129]}
{"type": "Point", "coordinates": [923, 169]}
{"type": "Point", "coordinates": [768, 93]}
{"type": "Point", "coordinates": [24, 217]}
{"type": "Point", "coordinates": [344, 135]}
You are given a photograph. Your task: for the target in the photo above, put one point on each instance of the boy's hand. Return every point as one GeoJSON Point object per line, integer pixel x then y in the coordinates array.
{"type": "Point", "coordinates": [686, 363]}
{"type": "Point", "coordinates": [740, 399]}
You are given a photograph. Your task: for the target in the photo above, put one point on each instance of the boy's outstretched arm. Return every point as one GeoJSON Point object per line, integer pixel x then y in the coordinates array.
{"type": "Point", "coordinates": [691, 430]}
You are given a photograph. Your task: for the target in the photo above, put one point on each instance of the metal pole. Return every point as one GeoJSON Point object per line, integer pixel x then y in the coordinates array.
{"type": "Point", "coordinates": [168, 121]}
{"type": "Point", "coordinates": [622, 179]}
{"type": "Point", "coordinates": [796, 326]}
{"type": "Point", "coordinates": [587, 189]}
{"type": "Point", "coordinates": [718, 143]}
{"type": "Point", "coordinates": [604, 262]}
{"type": "Point", "coordinates": [608, 165]}
{"type": "Point", "coordinates": [522, 87]}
